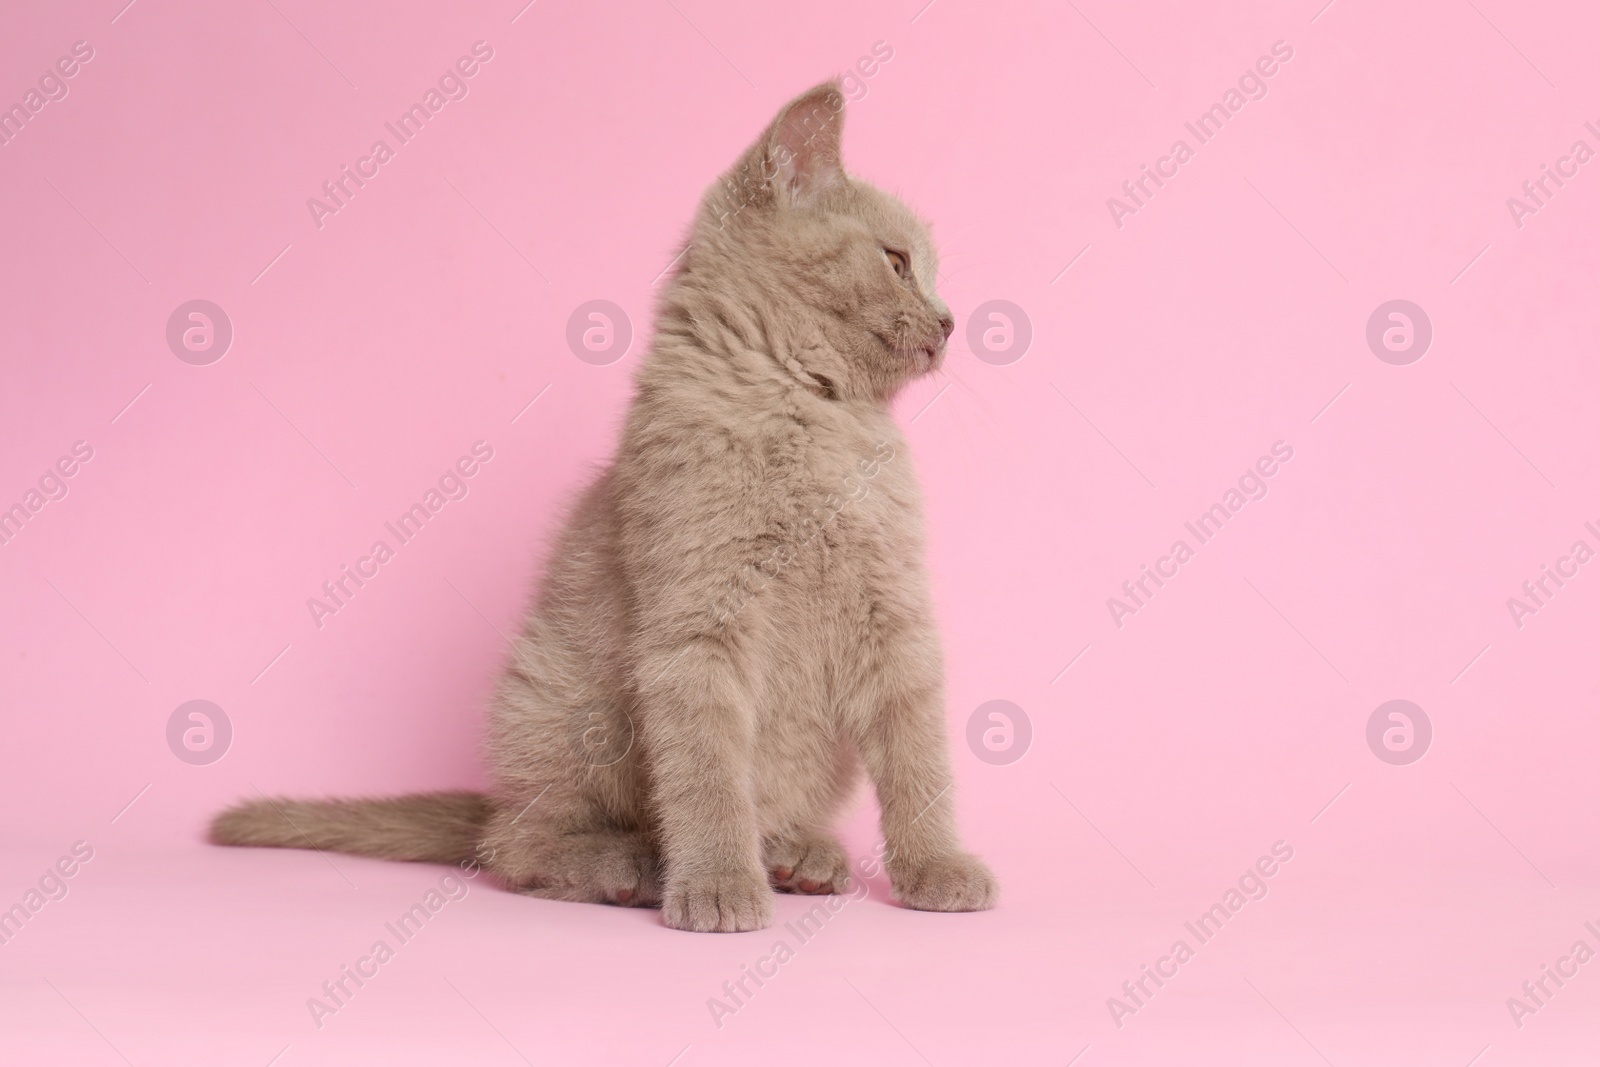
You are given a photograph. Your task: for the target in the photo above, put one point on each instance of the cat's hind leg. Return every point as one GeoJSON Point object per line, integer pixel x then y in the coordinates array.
{"type": "Point", "coordinates": [806, 862]}
{"type": "Point", "coordinates": [572, 855]}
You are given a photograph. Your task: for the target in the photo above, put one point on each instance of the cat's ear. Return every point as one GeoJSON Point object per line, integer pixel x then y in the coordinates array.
{"type": "Point", "coordinates": [802, 151]}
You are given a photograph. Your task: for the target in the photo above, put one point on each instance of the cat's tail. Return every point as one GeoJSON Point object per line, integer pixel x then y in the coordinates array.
{"type": "Point", "coordinates": [420, 827]}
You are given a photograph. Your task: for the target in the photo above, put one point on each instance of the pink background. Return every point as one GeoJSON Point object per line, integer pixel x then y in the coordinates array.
{"type": "Point", "coordinates": [1222, 317]}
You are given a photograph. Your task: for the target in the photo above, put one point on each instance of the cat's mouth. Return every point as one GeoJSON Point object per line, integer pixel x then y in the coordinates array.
{"type": "Point", "coordinates": [922, 359]}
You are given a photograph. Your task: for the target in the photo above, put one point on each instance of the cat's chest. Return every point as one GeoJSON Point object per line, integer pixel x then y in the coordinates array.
{"type": "Point", "coordinates": [855, 511]}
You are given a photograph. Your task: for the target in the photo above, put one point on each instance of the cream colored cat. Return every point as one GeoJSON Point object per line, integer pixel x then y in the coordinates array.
{"type": "Point", "coordinates": [736, 617]}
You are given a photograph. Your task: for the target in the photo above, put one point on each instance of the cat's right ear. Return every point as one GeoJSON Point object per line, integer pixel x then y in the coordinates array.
{"type": "Point", "coordinates": [802, 147]}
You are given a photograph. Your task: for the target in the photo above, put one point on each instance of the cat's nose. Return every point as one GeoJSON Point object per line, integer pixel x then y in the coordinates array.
{"type": "Point", "coordinates": [948, 325]}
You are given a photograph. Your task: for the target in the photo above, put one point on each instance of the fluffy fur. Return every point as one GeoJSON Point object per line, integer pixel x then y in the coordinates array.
{"type": "Point", "coordinates": [736, 617]}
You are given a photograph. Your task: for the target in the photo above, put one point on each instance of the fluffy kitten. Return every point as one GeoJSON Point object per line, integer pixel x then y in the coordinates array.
{"type": "Point", "coordinates": [736, 617]}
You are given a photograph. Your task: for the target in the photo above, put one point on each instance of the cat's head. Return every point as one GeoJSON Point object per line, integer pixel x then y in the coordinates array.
{"type": "Point", "coordinates": [844, 270]}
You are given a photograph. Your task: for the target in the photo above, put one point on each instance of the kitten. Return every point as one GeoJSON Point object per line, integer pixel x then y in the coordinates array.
{"type": "Point", "coordinates": [736, 617]}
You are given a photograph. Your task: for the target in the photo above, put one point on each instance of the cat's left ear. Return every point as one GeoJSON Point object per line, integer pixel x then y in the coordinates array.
{"type": "Point", "coordinates": [802, 157]}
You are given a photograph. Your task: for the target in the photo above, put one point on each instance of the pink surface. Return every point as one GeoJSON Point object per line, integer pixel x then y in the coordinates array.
{"type": "Point", "coordinates": [1173, 342]}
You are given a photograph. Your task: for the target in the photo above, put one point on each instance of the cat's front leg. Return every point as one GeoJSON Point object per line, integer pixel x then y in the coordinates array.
{"type": "Point", "coordinates": [903, 744]}
{"type": "Point", "coordinates": [699, 732]}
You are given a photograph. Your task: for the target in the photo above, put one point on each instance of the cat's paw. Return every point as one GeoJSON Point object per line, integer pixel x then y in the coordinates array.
{"type": "Point", "coordinates": [728, 902]}
{"type": "Point", "coordinates": [811, 864]}
{"type": "Point", "coordinates": [604, 867]}
{"type": "Point", "coordinates": [621, 869]}
{"type": "Point", "coordinates": [958, 881]}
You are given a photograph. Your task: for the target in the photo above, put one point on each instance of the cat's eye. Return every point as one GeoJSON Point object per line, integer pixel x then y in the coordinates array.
{"type": "Point", "coordinates": [897, 260]}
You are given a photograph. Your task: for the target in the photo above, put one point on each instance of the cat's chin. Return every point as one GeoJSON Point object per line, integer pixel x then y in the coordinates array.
{"type": "Point", "coordinates": [920, 360]}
